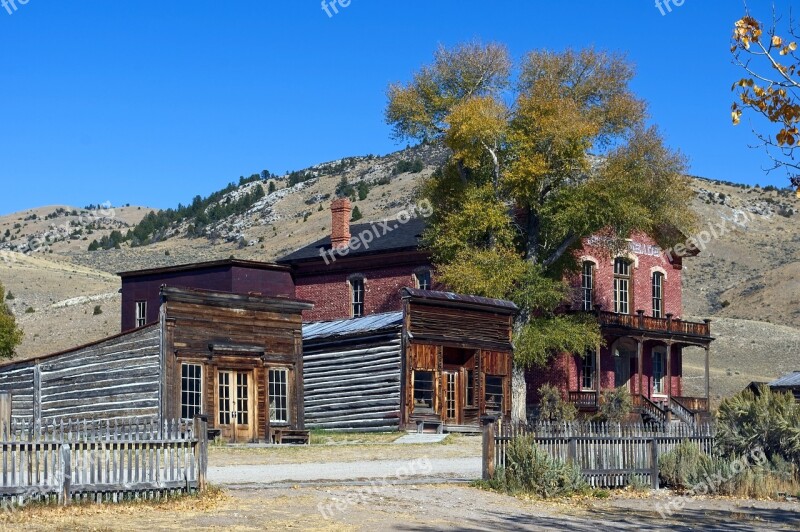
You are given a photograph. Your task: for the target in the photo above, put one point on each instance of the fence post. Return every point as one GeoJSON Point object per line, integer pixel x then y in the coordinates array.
{"type": "Point", "coordinates": [201, 434]}
{"type": "Point", "coordinates": [488, 446]}
{"type": "Point", "coordinates": [654, 464]}
{"type": "Point", "coordinates": [66, 475]}
{"type": "Point", "coordinates": [5, 410]}
{"type": "Point", "coordinates": [572, 450]}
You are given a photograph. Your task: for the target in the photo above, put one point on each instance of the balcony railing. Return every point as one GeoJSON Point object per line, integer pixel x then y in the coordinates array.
{"type": "Point", "coordinates": [667, 325]}
{"type": "Point", "coordinates": [583, 399]}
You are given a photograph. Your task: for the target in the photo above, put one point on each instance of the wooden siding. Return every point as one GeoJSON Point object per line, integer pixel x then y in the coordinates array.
{"type": "Point", "coordinates": [459, 327]}
{"type": "Point", "coordinates": [114, 379]}
{"type": "Point", "coordinates": [353, 384]}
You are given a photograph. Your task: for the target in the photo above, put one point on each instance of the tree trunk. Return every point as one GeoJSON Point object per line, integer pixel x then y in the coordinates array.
{"type": "Point", "coordinates": [519, 395]}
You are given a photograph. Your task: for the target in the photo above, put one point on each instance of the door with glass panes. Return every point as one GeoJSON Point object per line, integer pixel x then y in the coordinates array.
{"type": "Point", "coordinates": [235, 405]}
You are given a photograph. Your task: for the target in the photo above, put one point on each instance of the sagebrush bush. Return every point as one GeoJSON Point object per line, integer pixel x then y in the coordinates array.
{"type": "Point", "coordinates": [616, 405]}
{"type": "Point", "coordinates": [552, 406]}
{"type": "Point", "coordinates": [532, 471]}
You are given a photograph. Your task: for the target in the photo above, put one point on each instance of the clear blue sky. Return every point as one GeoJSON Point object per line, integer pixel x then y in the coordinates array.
{"type": "Point", "coordinates": [151, 103]}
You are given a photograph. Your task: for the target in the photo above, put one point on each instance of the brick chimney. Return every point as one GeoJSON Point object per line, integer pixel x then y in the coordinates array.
{"type": "Point", "coordinates": [341, 211]}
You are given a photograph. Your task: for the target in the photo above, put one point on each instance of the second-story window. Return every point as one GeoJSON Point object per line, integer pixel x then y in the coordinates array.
{"type": "Point", "coordinates": [622, 286]}
{"type": "Point", "coordinates": [423, 279]}
{"type": "Point", "coordinates": [658, 295]}
{"type": "Point", "coordinates": [357, 297]}
{"type": "Point", "coordinates": [141, 313]}
{"type": "Point", "coordinates": [587, 286]}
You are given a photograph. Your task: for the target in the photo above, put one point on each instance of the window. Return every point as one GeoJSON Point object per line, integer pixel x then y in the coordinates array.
{"type": "Point", "coordinates": [470, 397]}
{"type": "Point", "coordinates": [191, 390]}
{"type": "Point", "coordinates": [587, 371]}
{"type": "Point", "coordinates": [494, 394]}
{"type": "Point", "coordinates": [357, 297]}
{"type": "Point", "coordinates": [658, 294]}
{"type": "Point", "coordinates": [423, 279]}
{"type": "Point", "coordinates": [279, 395]}
{"type": "Point", "coordinates": [224, 398]}
{"type": "Point", "coordinates": [141, 313]}
{"type": "Point", "coordinates": [423, 391]}
{"type": "Point", "coordinates": [622, 286]}
{"type": "Point", "coordinates": [242, 398]}
{"type": "Point", "coordinates": [587, 286]}
{"type": "Point", "coordinates": [659, 367]}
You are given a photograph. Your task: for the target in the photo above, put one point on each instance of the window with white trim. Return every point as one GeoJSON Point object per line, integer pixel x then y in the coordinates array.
{"type": "Point", "coordinates": [588, 371]}
{"type": "Point", "coordinates": [279, 395]}
{"type": "Point", "coordinates": [587, 286]}
{"type": "Point", "coordinates": [658, 294]}
{"type": "Point", "coordinates": [659, 370]}
{"type": "Point", "coordinates": [622, 286]}
{"type": "Point", "coordinates": [357, 297]}
{"type": "Point", "coordinates": [141, 313]}
{"type": "Point", "coordinates": [191, 390]}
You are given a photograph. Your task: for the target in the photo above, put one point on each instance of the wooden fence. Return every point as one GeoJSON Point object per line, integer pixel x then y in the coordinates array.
{"type": "Point", "coordinates": [102, 461]}
{"type": "Point", "coordinates": [609, 455]}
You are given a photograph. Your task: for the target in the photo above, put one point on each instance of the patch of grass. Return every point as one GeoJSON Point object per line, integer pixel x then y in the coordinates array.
{"type": "Point", "coordinates": [601, 494]}
{"type": "Point", "coordinates": [327, 437]}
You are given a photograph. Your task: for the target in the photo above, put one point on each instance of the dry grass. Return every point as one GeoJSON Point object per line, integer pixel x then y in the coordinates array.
{"type": "Point", "coordinates": [324, 437]}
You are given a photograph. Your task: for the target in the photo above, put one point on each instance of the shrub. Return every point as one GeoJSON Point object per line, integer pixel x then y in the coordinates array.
{"type": "Point", "coordinates": [356, 214]}
{"type": "Point", "coordinates": [680, 467]}
{"type": "Point", "coordinates": [30, 310]}
{"type": "Point", "coordinates": [532, 471]}
{"type": "Point", "coordinates": [97, 310]}
{"type": "Point", "coordinates": [769, 421]}
{"type": "Point", "coordinates": [10, 296]}
{"type": "Point", "coordinates": [616, 405]}
{"type": "Point", "coordinates": [552, 406]}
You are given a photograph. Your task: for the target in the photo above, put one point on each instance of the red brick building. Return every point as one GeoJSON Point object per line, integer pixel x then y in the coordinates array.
{"type": "Point", "coordinates": [636, 295]}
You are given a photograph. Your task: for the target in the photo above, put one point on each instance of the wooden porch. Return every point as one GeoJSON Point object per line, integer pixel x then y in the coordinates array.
{"type": "Point", "coordinates": [690, 410]}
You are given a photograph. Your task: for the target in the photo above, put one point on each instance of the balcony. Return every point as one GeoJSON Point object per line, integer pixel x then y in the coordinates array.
{"type": "Point", "coordinates": [660, 327]}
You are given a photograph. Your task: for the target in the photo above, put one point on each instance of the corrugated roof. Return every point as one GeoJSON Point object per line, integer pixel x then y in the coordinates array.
{"type": "Point", "coordinates": [391, 235]}
{"type": "Point", "coordinates": [376, 322]}
{"type": "Point", "coordinates": [792, 379]}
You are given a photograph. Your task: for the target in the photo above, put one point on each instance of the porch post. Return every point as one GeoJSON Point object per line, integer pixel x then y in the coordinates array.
{"type": "Point", "coordinates": [708, 379]}
{"type": "Point", "coordinates": [669, 380]}
{"type": "Point", "coordinates": [597, 373]}
{"type": "Point", "coordinates": [640, 361]}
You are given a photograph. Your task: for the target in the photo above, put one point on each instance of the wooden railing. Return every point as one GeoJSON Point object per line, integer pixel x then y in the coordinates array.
{"type": "Point", "coordinates": [693, 404]}
{"type": "Point", "coordinates": [583, 399]}
{"type": "Point", "coordinates": [656, 411]}
{"type": "Point", "coordinates": [646, 323]}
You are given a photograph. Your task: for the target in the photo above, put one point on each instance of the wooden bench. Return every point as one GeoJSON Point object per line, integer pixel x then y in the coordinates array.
{"type": "Point", "coordinates": [285, 435]}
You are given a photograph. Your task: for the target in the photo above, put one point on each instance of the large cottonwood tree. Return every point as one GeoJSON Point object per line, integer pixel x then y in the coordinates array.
{"type": "Point", "coordinates": [543, 154]}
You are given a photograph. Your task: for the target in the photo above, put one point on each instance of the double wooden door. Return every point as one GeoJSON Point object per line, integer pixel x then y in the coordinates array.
{"type": "Point", "coordinates": [236, 405]}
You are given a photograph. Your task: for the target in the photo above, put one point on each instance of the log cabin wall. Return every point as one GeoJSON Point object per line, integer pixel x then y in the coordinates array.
{"type": "Point", "coordinates": [353, 374]}
{"type": "Point", "coordinates": [242, 337]}
{"type": "Point", "coordinates": [116, 378]}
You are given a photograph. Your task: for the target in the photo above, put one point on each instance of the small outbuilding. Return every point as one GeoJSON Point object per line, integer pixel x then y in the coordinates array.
{"type": "Point", "coordinates": [441, 363]}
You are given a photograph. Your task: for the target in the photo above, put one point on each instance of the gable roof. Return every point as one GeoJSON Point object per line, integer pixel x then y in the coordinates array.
{"type": "Point", "coordinates": [790, 380]}
{"type": "Point", "coordinates": [389, 235]}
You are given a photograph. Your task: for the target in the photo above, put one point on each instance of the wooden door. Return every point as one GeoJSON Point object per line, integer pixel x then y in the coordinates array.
{"type": "Point", "coordinates": [452, 397]}
{"type": "Point", "coordinates": [235, 405]}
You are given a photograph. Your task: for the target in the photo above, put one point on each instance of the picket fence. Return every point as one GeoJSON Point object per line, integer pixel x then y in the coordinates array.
{"type": "Point", "coordinates": [610, 455]}
{"type": "Point", "coordinates": [101, 461]}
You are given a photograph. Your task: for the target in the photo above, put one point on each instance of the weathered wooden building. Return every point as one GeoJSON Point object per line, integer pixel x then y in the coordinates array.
{"type": "Point", "coordinates": [442, 362]}
{"type": "Point", "coordinates": [235, 357]}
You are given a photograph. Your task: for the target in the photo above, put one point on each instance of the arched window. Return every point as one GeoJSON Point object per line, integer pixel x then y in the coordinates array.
{"type": "Point", "coordinates": [622, 286]}
{"type": "Point", "coordinates": [658, 294]}
{"type": "Point", "coordinates": [423, 279]}
{"type": "Point", "coordinates": [587, 286]}
{"type": "Point", "coordinates": [357, 292]}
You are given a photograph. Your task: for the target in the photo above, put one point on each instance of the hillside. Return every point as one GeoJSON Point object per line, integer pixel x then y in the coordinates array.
{"type": "Point", "coordinates": [746, 277]}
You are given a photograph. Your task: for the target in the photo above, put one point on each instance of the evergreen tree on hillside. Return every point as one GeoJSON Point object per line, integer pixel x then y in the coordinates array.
{"type": "Point", "coordinates": [10, 334]}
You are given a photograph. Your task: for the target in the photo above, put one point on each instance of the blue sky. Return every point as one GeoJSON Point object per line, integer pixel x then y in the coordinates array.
{"type": "Point", "coordinates": [151, 103]}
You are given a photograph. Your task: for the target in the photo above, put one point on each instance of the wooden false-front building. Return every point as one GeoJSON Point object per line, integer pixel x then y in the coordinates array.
{"type": "Point", "coordinates": [442, 362]}
{"type": "Point", "coordinates": [235, 357]}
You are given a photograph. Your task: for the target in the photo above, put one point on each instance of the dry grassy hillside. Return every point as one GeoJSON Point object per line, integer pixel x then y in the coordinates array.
{"type": "Point", "coordinates": [746, 278]}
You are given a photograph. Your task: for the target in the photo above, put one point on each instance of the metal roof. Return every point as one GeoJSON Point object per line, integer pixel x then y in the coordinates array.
{"type": "Point", "coordinates": [790, 380]}
{"type": "Point", "coordinates": [353, 326]}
